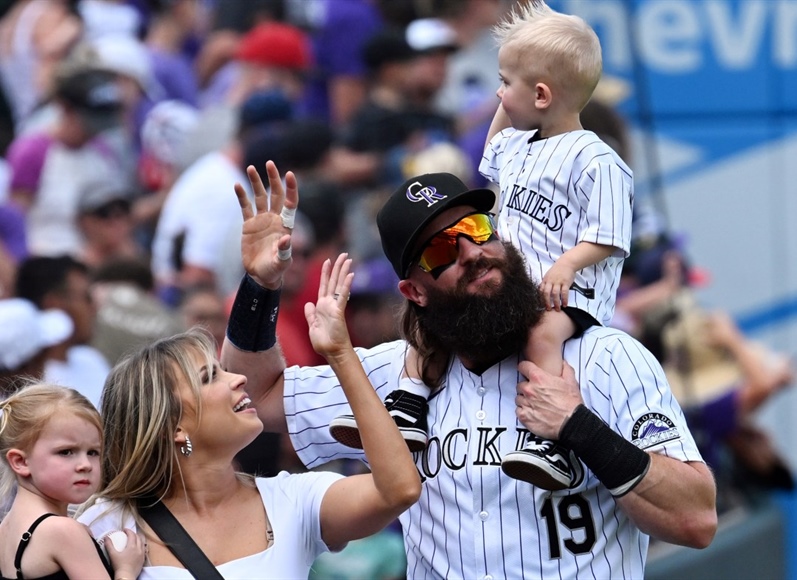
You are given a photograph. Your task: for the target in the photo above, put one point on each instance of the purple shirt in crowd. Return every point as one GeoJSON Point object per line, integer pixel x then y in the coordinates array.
{"type": "Point", "coordinates": [26, 157]}
{"type": "Point", "coordinates": [344, 27]}
{"type": "Point", "coordinates": [12, 231]}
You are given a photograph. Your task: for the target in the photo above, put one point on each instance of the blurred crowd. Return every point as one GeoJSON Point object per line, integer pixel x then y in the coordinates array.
{"type": "Point", "coordinates": [124, 125]}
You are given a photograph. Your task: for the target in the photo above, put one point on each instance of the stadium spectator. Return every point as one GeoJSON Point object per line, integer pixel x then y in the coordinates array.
{"type": "Point", "coordinates": [720, 377]}
{"type": "Point", "coordinates": [131, 61]}
{"type": "Point", "coordinates": [203, 306]}
{"type": "Point", "coordinates": [106, 224]}
{"type": "Point", "coordinates": [434, 41]}
{"type": "Point", "coordinates": [338, 84]}
{"type": "Point", "coordinates": [165, 136]}
{"type": "Point", "coordinates": [26, 333]}
{"type": "Point", "coordinates": [35, 35]}
{"type": "Point", "coordinates": [374, 304]}
{"type": "Point", "coordinates": [270, 56]}
{"type": "Point", "coordinates": [63, 283]}
{"type": "Point", "coordinates": [129, 314]}
{"type": "Point", "coordinates": [227, 23]}
{"type": "Point", "coordinates": [388, 118]}
{"type": "Point", "coordinates": [51, 168]}
{"type": "Point", "coordinates": [172, 24]}
{"type": "Point", "coordinates": [189, 248]}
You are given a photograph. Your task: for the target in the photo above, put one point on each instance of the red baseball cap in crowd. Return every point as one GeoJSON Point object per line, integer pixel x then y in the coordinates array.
{"type": "Point", "coordinates": [275, 44]}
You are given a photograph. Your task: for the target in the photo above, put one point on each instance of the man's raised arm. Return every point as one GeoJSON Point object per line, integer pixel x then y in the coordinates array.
{"type": "Point", "coordinates": [250, 347]}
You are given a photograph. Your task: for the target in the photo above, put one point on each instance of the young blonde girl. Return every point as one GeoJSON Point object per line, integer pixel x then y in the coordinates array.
{"type": "Point", "coordinates": [50, 441]}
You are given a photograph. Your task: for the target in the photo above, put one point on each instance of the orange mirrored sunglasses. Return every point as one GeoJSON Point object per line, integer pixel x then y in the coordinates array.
{"type": "Point", "coordinates": [441, 250]}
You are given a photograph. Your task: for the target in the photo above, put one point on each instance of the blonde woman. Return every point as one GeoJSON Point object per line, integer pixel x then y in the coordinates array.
{"type": "Point", "coordinates": [174, 421]}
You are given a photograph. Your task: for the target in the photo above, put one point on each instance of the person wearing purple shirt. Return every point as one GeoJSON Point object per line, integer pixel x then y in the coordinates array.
{"type": "Point", "coordinates": [171, 25]}
{"type": "Point", "coordinates": [337, 86]}
{"type": "Point", "coordinates": [12, 232]}
{"type": "Point", "coordinates": [26, 156]}
{"type": "Point", "coordinates": [176, 76]}
{"type": "Point", "coordinates": [50, 168]}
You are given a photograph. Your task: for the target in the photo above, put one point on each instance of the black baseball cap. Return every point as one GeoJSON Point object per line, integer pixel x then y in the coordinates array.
{"type": "Point", "coordinates": [414, 205]}
{"type": "Point", "coordinates": [101, 196]}
{"type": "Point", "coordinates": [95, 95]}
{"type": "Point", "coordinates": [387, 46]}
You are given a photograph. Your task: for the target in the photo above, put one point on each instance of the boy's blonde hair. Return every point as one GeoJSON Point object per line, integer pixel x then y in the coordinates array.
{"type": "Point", "coordinates": [24, 415]}
{"type": "Point", "coordinates": [561, 49]}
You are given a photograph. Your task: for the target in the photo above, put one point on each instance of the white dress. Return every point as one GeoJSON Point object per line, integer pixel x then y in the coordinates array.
{"type": "Point", "coordinates": [293, 505]}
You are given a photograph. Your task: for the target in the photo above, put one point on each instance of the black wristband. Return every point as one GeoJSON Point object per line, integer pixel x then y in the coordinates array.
{"type": "Point", "coordinates": [616, 462]}
{"type": "Point", "coordinates": [253, 319]}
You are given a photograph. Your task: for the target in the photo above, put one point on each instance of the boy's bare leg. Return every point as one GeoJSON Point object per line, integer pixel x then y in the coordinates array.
{"type": "Point", "coordinates": [544, 347]}
{"type": "Point", "coordinates": [544, 463]}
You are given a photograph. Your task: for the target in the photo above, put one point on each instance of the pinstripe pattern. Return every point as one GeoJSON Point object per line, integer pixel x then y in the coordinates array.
{"type": "Point", "coordinates": [474, 522]}
{"type": "Point", "coordinates": [560, 191]}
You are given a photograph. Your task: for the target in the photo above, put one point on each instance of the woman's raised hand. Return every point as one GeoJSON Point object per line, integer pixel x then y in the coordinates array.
{"type": "Point", "coordinates": [326, 318]}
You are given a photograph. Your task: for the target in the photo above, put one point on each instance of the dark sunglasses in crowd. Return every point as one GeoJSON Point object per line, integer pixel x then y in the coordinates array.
{"type": "Point", "coordinates": [118, 208]}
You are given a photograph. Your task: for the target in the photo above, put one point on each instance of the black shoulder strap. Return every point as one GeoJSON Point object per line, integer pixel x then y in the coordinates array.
{"type": "Point", "coordinates": [163, 523]}
{"type": "Point", "coordinates": [23, 544]}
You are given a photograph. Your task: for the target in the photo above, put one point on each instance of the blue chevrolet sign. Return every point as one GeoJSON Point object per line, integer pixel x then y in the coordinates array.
{"type": "Point", "coordinates": [700, 61]}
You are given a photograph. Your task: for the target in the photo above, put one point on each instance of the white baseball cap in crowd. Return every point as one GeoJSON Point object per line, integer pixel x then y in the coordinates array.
{"type": "Point", "coordinates": [431, 35]}
{"type": "Point", "coordinates": [128, 56]}
{"type": "Point", "coordinates": [25, 331]}
{"type": "Point", "coordinates": [167, 130]}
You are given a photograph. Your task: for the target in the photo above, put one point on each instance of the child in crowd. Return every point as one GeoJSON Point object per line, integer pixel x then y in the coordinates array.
{"type": "Point", "coordinates": [565, 201]}
{"type": "Point", "coordinates": [50, 439]}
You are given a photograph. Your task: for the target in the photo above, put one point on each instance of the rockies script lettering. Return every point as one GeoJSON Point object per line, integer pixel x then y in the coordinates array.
{"type": "Point", "coordinates": [538, 207]}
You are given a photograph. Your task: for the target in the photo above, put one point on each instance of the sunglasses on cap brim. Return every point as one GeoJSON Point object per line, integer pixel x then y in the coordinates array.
{"type": "Point", "coordinates": [442, 248]}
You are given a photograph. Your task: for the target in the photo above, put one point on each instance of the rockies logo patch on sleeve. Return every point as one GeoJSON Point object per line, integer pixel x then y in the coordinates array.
{"type": "Point", "coordinates": [652, 429]}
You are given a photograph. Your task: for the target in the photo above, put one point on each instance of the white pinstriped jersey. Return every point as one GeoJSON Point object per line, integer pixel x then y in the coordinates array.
{"type": "Point", "coordinates": [474, 522]}
{"type": "Point", "coordinates": [560, 191]}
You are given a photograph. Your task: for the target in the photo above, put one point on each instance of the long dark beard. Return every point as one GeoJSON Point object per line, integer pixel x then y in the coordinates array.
{"type": "Point", "coordinates": [484, 328]}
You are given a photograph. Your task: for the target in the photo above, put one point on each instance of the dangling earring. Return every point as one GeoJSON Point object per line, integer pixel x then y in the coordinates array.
{"type": "Point", "coordinates": [186, 448]}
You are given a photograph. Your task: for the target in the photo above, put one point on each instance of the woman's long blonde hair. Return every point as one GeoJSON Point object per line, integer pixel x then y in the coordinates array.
{"type": "Point", "coordinates": [142, 410]}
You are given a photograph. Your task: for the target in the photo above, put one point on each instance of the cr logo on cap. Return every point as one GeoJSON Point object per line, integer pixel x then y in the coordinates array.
{"type": "Point", "coordinates": [428, 194]}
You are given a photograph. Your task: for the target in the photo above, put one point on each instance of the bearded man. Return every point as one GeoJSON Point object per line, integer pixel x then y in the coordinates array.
{"type": "Point", "coordinates": [470, 307]}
